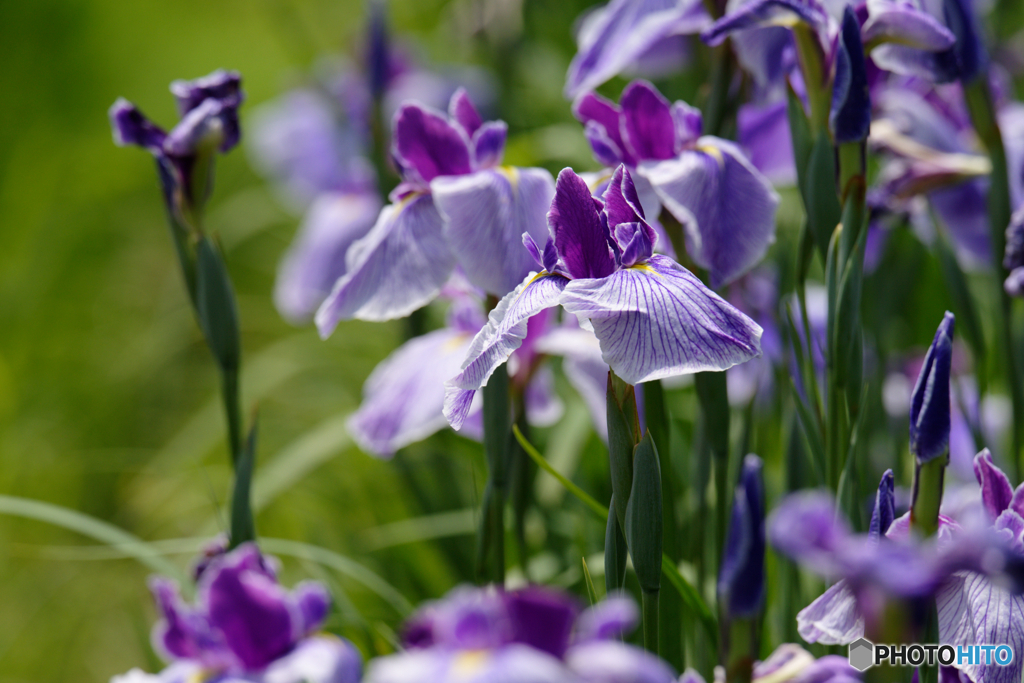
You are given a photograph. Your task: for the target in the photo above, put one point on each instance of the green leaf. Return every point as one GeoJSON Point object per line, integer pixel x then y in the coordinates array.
{"type": "Point", "coordinates": [692, 599]}
{"type": "Point", "coordinates": [644, 532]}
{"type": "Point", "coordinates": [967, 319]}
{"type": "Point", "coordinates": [800, 132]}
{"type": "Point", "coordinates": [622, 438]}
{"type": "Point", "coordinates": [96, 529]}
{"type": "Point", "coordinates": [591, 591]}
{"type": "Point", "coordinates": [615, 554]}
{"type": "Point", "coordinates": [216, 307]}
{"type": "Point", "coordinates": [821, 201]}
{"type": "Point", "coordinates": [600, 510]}
{"type": "Point", "coordinates": [815, 444]}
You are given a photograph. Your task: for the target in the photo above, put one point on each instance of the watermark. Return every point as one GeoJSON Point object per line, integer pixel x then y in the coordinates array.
{"type": "Point", "coordinates": [864, 654]}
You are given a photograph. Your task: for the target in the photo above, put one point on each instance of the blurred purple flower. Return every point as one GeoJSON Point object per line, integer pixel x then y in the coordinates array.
{"type": "Point", "coordinates": [454, 206]}
{"type": "Point", "coordinates": [653, 317]}
{"type": "Point", "coordinates": [1013, 259]}
{"type": "Point", "coordinates": [246, 627]}
{"type": "Point", "coordinates": [726, 207]}
{"type": "Point", "coordinates": [790, 663]}
{"type": "Point", "coordinates": [617, 36]}
{"type": "Point", "coordinates": [741, 579]}
{"type": "Point", "coordinates": [534, 634]}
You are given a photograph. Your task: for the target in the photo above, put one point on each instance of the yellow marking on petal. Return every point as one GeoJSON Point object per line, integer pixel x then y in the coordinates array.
{"type": "Point", "coordinates": [536, 277]}
{"type": "Point", "coordinates": [512, 173]}
{"type": "Point", "coordinates": [714, 152]}
{"type": "Point", "coordinates": [644, 267]}
{"type": "Point", "coordinates": [600, 179]}
{"type": "Point", "coordinates": [456, 341]}
{"type": "Point", "coordinates": [786, 20]}
{"type": "Point", "coordinates": [407, 200]}
{"type": "Point", "coordinates": [470, 661]}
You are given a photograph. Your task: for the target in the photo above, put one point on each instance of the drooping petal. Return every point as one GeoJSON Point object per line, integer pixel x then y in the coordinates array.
{"type": "Point", "coordinates": [254, 614]}
{"type": "Point", "coordinates": [996, 492]}
{"type": "Point", "coordinates": [898, 22]}
{"type": "Point", "coordinates": [973, 610]}
{"type": "Point", "coordinates": [399, 266]}
{"type": "Point", "coordinates": [580, 238]}
{"type": "Point", "coordinates": [404, 396]}
{"type": "Point", "coordinates": [647, 125]}
{"type": "Point", "coordinates": [763, 13]}
{"type": "Point", "coordinates": [613, 617]}
{"type": "Point", "coordinates": [321, 659]}
{"type": "Point", "coordinates": [131, 127]}
{"type": "Point", "coordinates": [504, 333]}
{"type": "Point", "coordinates": [220, 85]}
{"type": "Point", "coordinates": [833, 618]}
{"type": "Point", "coordinates": [929, 403]}
{"type": "Point", "coordinates": [622, 32]}
{"type": "Point", "coordinates": [656, 320]}
{"type": "Point", "coordinates": [785, 662]}
{"type": "Point", "coordinates": [316, 259]}
{"type": "Point", "coordinates": [486, 214]}
{"type": "Point", "coordinates": [427, 145]}
{"type": "Point", "coordinates": [181, 633]}
{"type": "Point", "coordinates": [726, 206]}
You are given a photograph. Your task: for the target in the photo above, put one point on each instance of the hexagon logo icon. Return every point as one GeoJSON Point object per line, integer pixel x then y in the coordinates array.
{"type": "Point", "coordinates": [862, 654]}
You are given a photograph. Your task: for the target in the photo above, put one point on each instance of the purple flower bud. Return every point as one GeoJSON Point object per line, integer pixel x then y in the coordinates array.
{"type": "Point", "coordinates": [968, 57]}
{"type": "Point", "coordinates": [885, 508]}
{"type": "Point", "coordinates": [222, 87]}
{"type": "Point", "coordinates": [741, 579]}
{"type": "Point", "coordinates": [929, 405]}
{"type": "Point", "coordinates": [378, 53]}
{"type": "Point", "coordinates": [850, 118]}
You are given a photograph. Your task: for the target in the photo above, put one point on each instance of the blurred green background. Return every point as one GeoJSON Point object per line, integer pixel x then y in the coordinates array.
{"type": "Point", "coordinates": [109, 400]}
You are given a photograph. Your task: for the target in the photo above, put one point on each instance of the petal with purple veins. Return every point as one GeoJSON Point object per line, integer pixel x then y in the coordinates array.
{"type": "Point", "coordinates": [974, 610]}
{"type": "Point", "coordinates": [316, 259]}
{"type": "Point", "coordinates": [657, 320]}
{"type": "Point", "coordinates": [833, 618]}
{"type": "Point", "coordinates": [504, 333]}
{"type": "Point", "coordinates": [486, 214]}
{"type": "Point", "coordinates": [404, 396]}
{"type": "Point", "coordinates": [321, 659]}
{"type": "Point", "coordinates": [726, 206]}
{"type": "Point", "coordinates": [610, 661]}
{"type": "Point", "coordinates": [996, 491]}
{"type": "Point", "coordinates": [399, 266]}
{"type": "Point", "coordinates": [601, 118]}
{"type": "Point", "coordinates": [903, 24]}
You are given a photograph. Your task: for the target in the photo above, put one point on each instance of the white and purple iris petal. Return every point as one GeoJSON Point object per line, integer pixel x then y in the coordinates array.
{"type": "Point", "coordinates": [652, 317]}
{"type": "Point", "coordinates": [621, 33]}
{"type": "Point", "coordinates": [316, 258]}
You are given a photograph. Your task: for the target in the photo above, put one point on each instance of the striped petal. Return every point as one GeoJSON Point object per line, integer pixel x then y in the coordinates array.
{"type": "Point", "coordinates": [833, 618]}
{"type": "Point", "coordinates": [974, 610]}
{"type": "Point", "coordinates": [724, 203]}
{"type": "Point", "coordinates": [657, 320]}
{"type": "Point", "coordinates": [486, 214]}
{"type": "Point", "coordinates": [399, 266]}
{"type": "Point", "coordinates": [504, 333]}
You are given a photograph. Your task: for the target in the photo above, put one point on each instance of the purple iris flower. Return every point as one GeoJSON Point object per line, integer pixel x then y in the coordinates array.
{"type": "Point", "coordinates": [455, 205]}
{"type": "Point", "coordinates": [741, 580]}
{"type": "Point", "coordinates": [209, 122]}
{"type": "Point", "coordinates": [244, 626]}
{"type": "Point", "coordinates": [790, 663]}
{"type": "Point", "coordinates": [403, 398]}
{"type": "Point", "coordinates": [763, 132]}
{"type": "Point", "coordinates": [726, 207]}
{"type": "Point", "coordinates": [615, 37]}
{"type": "Point", "coordinates": [652, 317]}
{"type": "Point", "coordinates": [534, 635]}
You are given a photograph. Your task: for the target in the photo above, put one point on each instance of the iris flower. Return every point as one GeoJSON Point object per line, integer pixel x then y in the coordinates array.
{"type": "Point", "coordinates": [245, 627]}
{"type": "Point", "coordinates": [726, 207]}
{"type": "Point", "coordinates": [455, 205]}
{"type": "Point", "coordinates": [478, 635]}
{"type": "Point", "coordinates": [652, 317]}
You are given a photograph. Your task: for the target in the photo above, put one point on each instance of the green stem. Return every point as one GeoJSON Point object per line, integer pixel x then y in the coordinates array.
{"type": "Point", "coordinates": [716, 108]}
{"type": "Point", "coordinates": [812, 63]}
{"type": "Point", "coordinates": [497, 429]}
{"type": "Point", "coordinates": [233, 411]}
{"type": "Point", "coordinates": [926, 495]}
{"type": "Point", "coordinates": [522, 477]}
{"type": "Point", "coordinates": [650, 610]}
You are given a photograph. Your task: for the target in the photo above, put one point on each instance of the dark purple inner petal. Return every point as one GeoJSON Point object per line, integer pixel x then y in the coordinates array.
{"type": "Point", "coordinates": [592, 108]}
{"type": "Point", "coordinates": [131, 127]}
{"type": "Point", "coordinates": [462, 110]}
{"type": "Point", "coordinates": [489, 144]}
{"type": "Point", "coordinates": [648, 128]}
{"type": "Point", "coordinates": [428, 144]}
{"type": "Point", "coordinates": [996, 492]}
{"type": "Point", "coordinates": [542, 619]}
{"type": "Point", "coordinates": [221, 85]}
{"type": "Point", "coordinates": [580, 237]}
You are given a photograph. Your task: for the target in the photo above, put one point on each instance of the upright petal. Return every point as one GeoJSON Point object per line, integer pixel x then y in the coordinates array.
{"type": "Point", "coordinates": [580, 238]}
{"type": "Point", "coordinates": [504, 333]}
{"type": "Point", "coordinates": [973, 610]}
{"type": "Point", "coordinates": [996, 492]}
{"type": "Point", "coordinates": [648, 127]}
{"type": "Point", "coordinates": [321, 659]}
{"type": "Point", "coordinates": [622, 32]}
{"type": "Point", "coordinates": [611, 661]}
{"type": "Point", "coordinates": [601, 118]}
{"type": "Point", "coordinates": [833, 617]}
{"type": "Point", "coordinates": [489, 144]}
{"type": "Point", "coordinates": [929, 403]}
{"type": "Point", "coordinates": [486, 214]}
{"type": "Point", "coordinates": [725, 205]}
{"type": "Point", "coordinates": [399, 266]}
{"type": "Point", "coordinates": [220, 85]}
{"type": "Point", "coordinates": [850, 116]}
{"type": "Point", "coordinates": [131, 127]}
{"type": "Point", "coordinates": [427, 144]}
{"type": "Point", "coordinates": [461, 109]}
{"type": "Point", "coordinates": [316, 259]}
{"type": "Point", "coordinates": [656, 320]}
{"type": "Point", "coordinates": [542, 618]}
{"type": "Point", "coordinates": [403, 398]}
{"type": "Point", "coordinates": [884, 513]}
